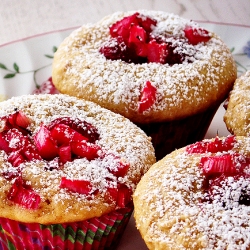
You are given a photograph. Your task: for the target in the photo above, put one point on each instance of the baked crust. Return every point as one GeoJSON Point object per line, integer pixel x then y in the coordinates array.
{"type": "Point", "coordinates": [118, 136]}
{"type": "Point", "coordinates": [170, 212]}
{"type": "Point", "coordinates": [79, 69]}
{"type": "Point", "coordinates": [237, 115]}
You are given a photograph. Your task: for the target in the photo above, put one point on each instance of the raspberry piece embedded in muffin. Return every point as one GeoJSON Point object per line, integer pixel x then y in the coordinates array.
{"type": "Point", "coordinates": [157, 52]}
{"type": "Point", "coordinates": [18, 147]}
{"type": "Point", "coordinates": [222, 164]}
{"type": "Point", "coordinates": [148, 97]}
{"type": "Point", "coordinates": [84, 149]}
{"type": "Point", "coordinates": [116, 49]}
{"type": "Point", "coordinates": [133, 36]}
{"type": "Point", "coordinates": [64, 134]}
{"type": "Point", "coordinates": [121, 195]}
{"type": "Point", "coordinates": [123, 27]}
{"type": "Point", "coordinates": [120, 167]}
{"type": "Point", "coordinates": [225, 171]}
{"type": "Point", "coordinates": [61, 138]}
{"type": "Point", "coordinates": [196, 35]}
{"type": "Point", "coordinates": [79, 186]}
{"type": "Point", "coordinates": [137, 41]}
{"type": "Point", "coordinates": [84, 128]}
{"type": "Point", "coordinates": [45, 143]}
{"type": "Point", "coordinates": [19, 119]}
{"type": "Point", "coordinates": [212, 146]}
{"type": "Point", "coordinates": [23, 194]}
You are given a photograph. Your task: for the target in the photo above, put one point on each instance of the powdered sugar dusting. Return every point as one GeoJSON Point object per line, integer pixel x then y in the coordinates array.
{"type": "Point", "coordinates": [117, 85]}
{"type": "Point", "coordinates": [118, 137]}
{"type": "Point", "coordinates": [171, 211]}
{"type": "Point", "coordinates": [237, 115]}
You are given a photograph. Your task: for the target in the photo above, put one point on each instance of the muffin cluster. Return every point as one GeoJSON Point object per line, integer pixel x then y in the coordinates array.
{"type": "Point", "coordinates": [120, 126]}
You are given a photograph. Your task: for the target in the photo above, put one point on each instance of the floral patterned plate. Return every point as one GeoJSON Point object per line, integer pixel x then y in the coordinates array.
{"type": "Point", "coordinates": [26, 64]}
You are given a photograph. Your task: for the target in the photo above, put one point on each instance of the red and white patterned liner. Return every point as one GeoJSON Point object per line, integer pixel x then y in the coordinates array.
{"type": "Point", "coordinates": [97, 233]}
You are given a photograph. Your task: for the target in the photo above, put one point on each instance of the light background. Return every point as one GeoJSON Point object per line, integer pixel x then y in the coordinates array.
{"type": "Point", "coordinates": [25, 18]}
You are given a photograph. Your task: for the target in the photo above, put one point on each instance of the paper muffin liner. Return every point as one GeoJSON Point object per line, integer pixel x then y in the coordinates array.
{"type": "Point", "coordinates": [171, 135]}
{"type": "Point", "coordinates": [97, 233]}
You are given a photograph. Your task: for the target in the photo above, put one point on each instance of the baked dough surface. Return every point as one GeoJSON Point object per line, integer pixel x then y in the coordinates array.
{"type": "Point", "coordinates": [237, 116]}
{"type": "Point", "coordinates": [118, 136]}
{"type": "Point", "coordinates": [170, 212]}
{"type": "Point", "coordinates": [79, 69]}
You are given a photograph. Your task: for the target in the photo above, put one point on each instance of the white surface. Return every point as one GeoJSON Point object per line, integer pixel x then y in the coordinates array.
{"type": "Point", "coordinates": [26, 18]}
{"type": "Point", "coordinates": [19, 19]}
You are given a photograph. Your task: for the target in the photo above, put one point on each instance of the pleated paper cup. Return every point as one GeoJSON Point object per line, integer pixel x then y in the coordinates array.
{"type": "Point", "coordinates": [170, 135]}
{"type": "Point", "coordinates": [97, 233]}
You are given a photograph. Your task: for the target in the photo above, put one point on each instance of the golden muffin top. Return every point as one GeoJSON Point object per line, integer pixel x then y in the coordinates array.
{"type": "Point", "coordinates": [197, 197]}
{"type": "Point", "coordinates": [63, 159]}
{"type": "Point", "coordinates": [198, 75]}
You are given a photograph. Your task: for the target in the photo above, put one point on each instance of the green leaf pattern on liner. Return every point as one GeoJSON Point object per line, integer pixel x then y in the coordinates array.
{"type": "Point", "coordinates": [80, 235]}
{"type": "Point", "coordinates": [71, 235]}
{"type": "Point", "coordinates": [92, 232]}
{"type": "Point", "coordinates": [67, 233]}
{"type": "Point", "coordinates": [11, 245]}
{"type": "Point", "coordinates": [95, 230]}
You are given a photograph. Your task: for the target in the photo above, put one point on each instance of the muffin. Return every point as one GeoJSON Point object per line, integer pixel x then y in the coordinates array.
{"type": "Point", "coordinates": [166, 74]}
{"type": "Point", "coordinates": [197, 197]}
{"type": "Point", "coordinates": [68, 170]}
{"type": "Point", "coordinates": [237, 115]}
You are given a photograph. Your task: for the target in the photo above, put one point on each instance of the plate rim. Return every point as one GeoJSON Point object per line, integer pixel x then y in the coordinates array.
{"type": "Point", "coordinates": [76, 27]}
{"type": "Point", "coordinates": [38, 35]}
